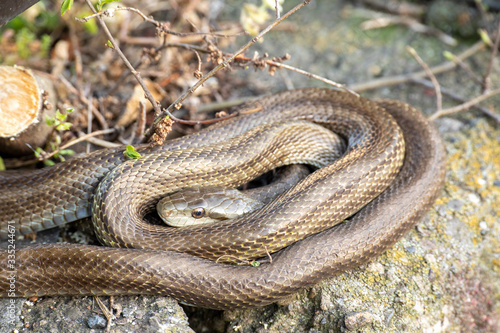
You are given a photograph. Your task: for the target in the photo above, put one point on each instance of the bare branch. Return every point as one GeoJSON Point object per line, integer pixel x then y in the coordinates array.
{"type": "Point", "coordinates": [398, 79]}
{"type": "Point", "coordinates": [435, 83]}
{"type": "Point", "coordinates": [454, 96]}
{"type": "Point", "coordinates": [148, 94]}
{"type": "Point", "coordinates": [412, 24]}
{"type": "Point", "coordinates": [465, 106]}
{"type": "Point", "coordinates": [177, 103]}
{"type": "Point", "coordinates": [494, 51]}
{"type": "Point", "coordinates": [100, 118]}
{"type": "Point", "coordinates": [260, 64]}
{"type": "Point", "coordinates": [463, 66]}
{"type": "Point", "coordinates": [161, 26]}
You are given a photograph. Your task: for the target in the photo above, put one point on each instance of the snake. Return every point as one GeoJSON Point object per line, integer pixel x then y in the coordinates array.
{"type": "Point", "coordinates": [196, 206]}
{"type": "Point", "coordinates": [392, 171]}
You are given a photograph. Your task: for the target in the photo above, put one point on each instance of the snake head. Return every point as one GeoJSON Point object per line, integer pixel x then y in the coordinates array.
{"type": "Point", "coordinates": [204, 206]}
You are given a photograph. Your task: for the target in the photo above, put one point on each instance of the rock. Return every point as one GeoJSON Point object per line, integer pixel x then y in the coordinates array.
{"type": "Point", "coordinates": [97, 322]}
{"type": "Point", "coordinates": [357, 320]}
{"type": "Point", "coordinates": [74, 314]}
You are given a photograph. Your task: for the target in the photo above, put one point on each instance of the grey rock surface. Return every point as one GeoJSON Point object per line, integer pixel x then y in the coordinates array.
{"type": "Point", "coordinates": [74, 314]}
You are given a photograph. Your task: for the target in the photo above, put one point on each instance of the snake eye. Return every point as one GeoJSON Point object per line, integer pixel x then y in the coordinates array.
{"type": "Point", "coordinates": [198, 213]}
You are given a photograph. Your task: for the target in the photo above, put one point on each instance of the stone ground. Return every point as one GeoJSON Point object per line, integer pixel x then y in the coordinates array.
{"type": "Point", "coordinates": [444, 276]}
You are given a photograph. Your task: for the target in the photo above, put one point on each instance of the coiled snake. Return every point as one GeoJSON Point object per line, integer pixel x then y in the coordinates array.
{"type": "Point", "coordinates": [220, 156]}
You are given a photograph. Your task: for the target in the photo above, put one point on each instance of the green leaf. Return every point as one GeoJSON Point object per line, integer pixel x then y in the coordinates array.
{"type": "Point", "coordinates": [2, 165]}
{"type": "Point", "coordinates": [49, 162]}
{"type": "Point", "coordinates": [131, 153]}
{"type": "Point", "coordinates": [66, 4]}
{"type": "Point", "coordinates": [60, 116]}
{"type": "Point", "coordinates": [38, 152]}
{"type": "Point", "coordinates": [64, 126]}
{"type": "Point", "coordinates": [485, 37]}
{"type": "Point", "coordinates": [255, 264]}
{"type": "Point", "coordinates": [110, 45]}
{"type": "Point", "coordinates": [67, 152]}
{"type": "Point", "coordinates": [50, 121]}
{"type": "Point", "coordinates": [70, 110]}
{"type": "Point", "coordinates": [449, 56]}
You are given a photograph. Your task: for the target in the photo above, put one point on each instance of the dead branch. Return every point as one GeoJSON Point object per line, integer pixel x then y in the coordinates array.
{"type": "Point", "coordinates": [452, 95]}
{"type": "Point", "coordinates": [435, 83]}
{"type": "Point", "coordinates": [494, 51]}
{"type": "Point", "coordinates": [178, 103]}
{"type": "Point", "coordinates": [398, 79]}
{"type": "Point", "coordinates": [465, 106]}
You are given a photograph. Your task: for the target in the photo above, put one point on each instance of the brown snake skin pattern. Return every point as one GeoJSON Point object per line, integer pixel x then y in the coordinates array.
{"type": "Point", "coordinates": [118, 193]}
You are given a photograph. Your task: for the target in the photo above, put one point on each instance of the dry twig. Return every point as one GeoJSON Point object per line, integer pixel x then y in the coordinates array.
{"type": "Point", "coordinates": [108, 313]}
{"type": "Point", "coordinates": [452, 95]}
{"type": "Point", "coordinates": [465, 106]}
{"type": "Point", "coordinates": [47, 156]}
{"type": "Point", "coordinates": [138, 77]}
{"type": "Point", "coordinates": [141, 123]}
{"type": "Point", "coordinates": [435, 83]}
{"type": "Point", "coordinates": [463, 66]}
{"type": "Point", "coordinates": [494, 51]}
{"type": "Point", "coordinates": [89, 121]}
{"type": "Point", "coordinates": [412, 24]}
{"type": "Point", "coordinates": [277, 8]}
{"type": "Point", "coordinates": [398, 79]}
{"type": "Point", "coordinates": [278, 64]}
{"type": "Point", "coordinates": [100, 118]}
{"type": "Point", "coordinates": [161, 26]}
{"type": "Point", "coordinates": [178, 103]}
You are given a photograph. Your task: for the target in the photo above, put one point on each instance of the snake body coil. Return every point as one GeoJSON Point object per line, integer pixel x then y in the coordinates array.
{"type": "Point", "coordinates": [85, 186]}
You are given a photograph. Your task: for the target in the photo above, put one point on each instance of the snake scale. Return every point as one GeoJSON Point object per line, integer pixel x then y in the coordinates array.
{"type": "Point", "coordinates": [35, 200]}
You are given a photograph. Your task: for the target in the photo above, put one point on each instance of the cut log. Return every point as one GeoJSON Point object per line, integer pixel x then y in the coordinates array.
{"type": "Point", "coordinates": [25, 100]}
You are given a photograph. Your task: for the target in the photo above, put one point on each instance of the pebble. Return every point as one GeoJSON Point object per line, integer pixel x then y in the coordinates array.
{"type": "Point", "coordinates": [96, 322]}
{"type": "Point", "coordinates": [357, 320]}
{"type": "Point", "coordinates": [411, 249]}
{"type": "Point", "coordinates": [474, 198]}
{"type": "Point", "coordinates": [455, 204]}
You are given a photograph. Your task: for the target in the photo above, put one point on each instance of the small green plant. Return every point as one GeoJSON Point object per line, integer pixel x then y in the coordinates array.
{"type": "Point", "coordinates": [59, 120]}
{"type": "Point", "coordinates": [46, 40]}
{"type": "Point", "coordinates": [131, 153]}
{"type": "Point", "coordinates": [23, 40]}
{"type": "Point", "coordinates": [59, 124]}
{"type": "Point", "coordinates": [255, 263]}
